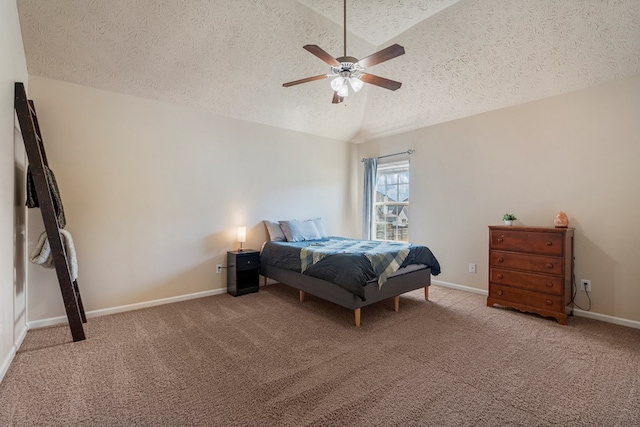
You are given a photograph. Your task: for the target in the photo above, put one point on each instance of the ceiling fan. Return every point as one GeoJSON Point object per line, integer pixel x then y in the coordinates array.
{"type": "Point", "coordinates": [349, 71]}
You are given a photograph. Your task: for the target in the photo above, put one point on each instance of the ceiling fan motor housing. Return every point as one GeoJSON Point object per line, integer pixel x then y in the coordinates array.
{"type": "Point", "coordinates": [348, 66]}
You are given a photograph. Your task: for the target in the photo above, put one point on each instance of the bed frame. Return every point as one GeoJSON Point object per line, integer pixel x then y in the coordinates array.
{"type": "Point", "coordinates": [393, 288]}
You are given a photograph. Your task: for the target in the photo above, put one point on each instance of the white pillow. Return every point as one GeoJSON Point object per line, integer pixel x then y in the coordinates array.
{"type": "Point", "coordinates": [299, 231]}
{"type": "Point", "coordinates": [320, 226]}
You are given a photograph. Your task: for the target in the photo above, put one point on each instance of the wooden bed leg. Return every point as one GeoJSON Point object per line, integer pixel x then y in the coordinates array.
{"type": "Point", "coordinates": [396, 303]}
{"type": "Point", "coordinates": [426, 293]}
{"type": "Point", "coordinates": [356, 313]}
{"type": "Point", "coordinates": [301, 296]}
{"type": "Point", "coordinates": [266, 281]}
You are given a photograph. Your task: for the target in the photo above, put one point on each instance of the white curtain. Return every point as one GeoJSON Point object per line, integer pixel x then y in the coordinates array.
{"type": "Point", "coordinates": [369, 194]}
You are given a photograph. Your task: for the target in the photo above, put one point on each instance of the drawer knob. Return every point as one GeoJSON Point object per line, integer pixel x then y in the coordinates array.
{"type": "Point", "coordinates": [500, 276]}
{"type": "Point", "coordinates": [500, 239]}
{"type": "Point", "coordinates": [500, 260]}
{"type": "Point", "coordinates": [549, 243]}
{"type": "Point", "coordinates": [499, 292]}
{"type": "Point", "coordinates": [549, 302]}
{"type": "Point", "coordinates": [248, 262]}
{"type": "Point", "coordinates": [549, 285]}
{"type": "Point", "coordinates": [549, 265]}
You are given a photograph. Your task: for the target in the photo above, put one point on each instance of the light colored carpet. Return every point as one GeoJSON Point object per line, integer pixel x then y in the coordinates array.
{"type": "Point", "coordinates": [264, 359]}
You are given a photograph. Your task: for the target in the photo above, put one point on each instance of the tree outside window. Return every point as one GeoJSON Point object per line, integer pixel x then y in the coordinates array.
{"type": "Point", "coordinates": [391, 209]}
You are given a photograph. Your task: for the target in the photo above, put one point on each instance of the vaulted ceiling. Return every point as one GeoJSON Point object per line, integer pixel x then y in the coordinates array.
{"type": "Point", "coordinates": [228, 57]}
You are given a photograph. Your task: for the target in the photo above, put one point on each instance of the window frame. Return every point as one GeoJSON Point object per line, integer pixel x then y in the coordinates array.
{"type": "Point", "coordinates": [402, 166]}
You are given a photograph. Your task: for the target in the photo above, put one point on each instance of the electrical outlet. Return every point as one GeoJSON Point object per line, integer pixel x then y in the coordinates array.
{"type": "Point", "coordinates": [585, 285]}
{"type": "Point", "coordinates": [219, 268]}
{"type": "Point", "coordinates": [472, 268]}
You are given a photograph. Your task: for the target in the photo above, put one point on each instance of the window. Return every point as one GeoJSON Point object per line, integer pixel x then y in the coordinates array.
{"type": "Point", "coordinates": [391, 207]}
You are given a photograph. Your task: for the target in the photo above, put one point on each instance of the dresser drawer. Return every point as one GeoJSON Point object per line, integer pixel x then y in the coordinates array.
{"type": "Point", "coordinates": [531, 242]}
{"type": "Point", "coordinates": [529, 281]}
{"type": "Point", "coordinates": [247, 262]}
{"type": "Point", "coordinates": [538, 263]}
{"type": "Point", "coordinates": [526, 298]}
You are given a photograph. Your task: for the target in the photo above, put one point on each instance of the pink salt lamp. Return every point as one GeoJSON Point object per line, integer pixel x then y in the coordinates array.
{"type": "Point", "coordinates": [561, 220]}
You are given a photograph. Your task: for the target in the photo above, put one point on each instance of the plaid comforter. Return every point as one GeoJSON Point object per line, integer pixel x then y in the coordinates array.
{"type": "Point", "coordinates": [347, 263]}
{"type": "Point", "coordinates": [385, 257]}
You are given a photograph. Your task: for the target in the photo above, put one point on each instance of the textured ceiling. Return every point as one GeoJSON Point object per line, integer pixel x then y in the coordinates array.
{"type": "Point", "coordinates": [231, 57]}
{"type": "Point", "coordinates": [378, 21]}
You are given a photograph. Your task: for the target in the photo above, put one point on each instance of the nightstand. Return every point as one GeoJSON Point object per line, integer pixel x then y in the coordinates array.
{"type": "Point", "coordinates": [243, 274]}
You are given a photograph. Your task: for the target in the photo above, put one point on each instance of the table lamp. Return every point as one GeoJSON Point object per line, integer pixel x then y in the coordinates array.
{"type": "Point", "coordinates": [242, 236]}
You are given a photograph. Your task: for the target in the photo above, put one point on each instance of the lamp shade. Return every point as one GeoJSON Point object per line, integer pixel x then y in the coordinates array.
{"type": "Point", "coordinates": [242, 234]}
{"type": "Point", "coordinates": [344, 90]}
{"type": "Point", "coordinates": [356, 83]}
{"type": "Point", "coordinates": [336, 83]}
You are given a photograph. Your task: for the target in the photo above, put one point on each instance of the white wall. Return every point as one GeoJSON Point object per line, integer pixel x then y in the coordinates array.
{"type": "Point", "coordinates": [12, 68]}
{"type": "Point", "coordinates": [153, 192]}
{"type": "Point", "coordinates": [578, 153]}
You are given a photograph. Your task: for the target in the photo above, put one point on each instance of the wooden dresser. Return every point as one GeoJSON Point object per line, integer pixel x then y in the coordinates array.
{"type": "Point", "coordinates": [530, 269]}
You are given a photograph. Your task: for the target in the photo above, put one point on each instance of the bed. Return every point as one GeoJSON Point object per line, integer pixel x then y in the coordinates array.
{"type": "Point", "coordinates": [349, 272]}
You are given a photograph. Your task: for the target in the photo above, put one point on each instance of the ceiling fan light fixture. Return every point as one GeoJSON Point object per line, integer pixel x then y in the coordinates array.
{"type": "Point", "coordinates": [343, 91]}
{"type": "Point", "coordinates": [337, 83]}
{"type": "Point", "coordinates": [356, 83]}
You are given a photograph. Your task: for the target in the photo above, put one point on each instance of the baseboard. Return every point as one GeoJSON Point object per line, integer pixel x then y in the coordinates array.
{"type": "Point", "coordinates": [23, 334]}
{"type": "Point", "coordinates": [459, 287]}
{"type": "Point", "coordinates": [104, 312]}
{"type": "Point", "coordinates": [576, 312]}
{"type": "Point", "coordinates": [130, 307]}
{"type": "Point", "coordinates": [605, 318]}
{"type": "Point", "coordinates": [7, 361]}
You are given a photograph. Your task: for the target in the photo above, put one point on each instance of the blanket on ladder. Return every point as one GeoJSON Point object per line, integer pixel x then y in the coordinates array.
{"type": "Point", "coordinates": [32, 196]}
{"type": "Point", "coordinates": [41, 255]}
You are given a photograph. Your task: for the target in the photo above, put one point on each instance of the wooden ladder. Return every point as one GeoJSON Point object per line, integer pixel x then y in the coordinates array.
{"type": "Point", "coordinates": [34, 146]}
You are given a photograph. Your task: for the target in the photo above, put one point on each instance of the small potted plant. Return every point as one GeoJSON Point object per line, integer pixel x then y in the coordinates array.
{"type": "Point", "coordinates": [508, 218]}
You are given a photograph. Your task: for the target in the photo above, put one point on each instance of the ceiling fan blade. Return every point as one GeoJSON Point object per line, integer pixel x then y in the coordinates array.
{"type": "Point", "coordinates": [336, 98]}
{"type": "Point", "coordinates": [381, 56]}
{"type": "Point", "coordinates": [308, 79]}
{"type": "Point", "coordinates": [317, 51]}
{"type": "Point", "coordinates": [380, 81]}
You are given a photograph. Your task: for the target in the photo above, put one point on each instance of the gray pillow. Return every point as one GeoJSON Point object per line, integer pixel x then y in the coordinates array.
{"type": "Point", "coordinates": [299, 231]}
{"type": "Point", "coordinates": [275, 232]}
